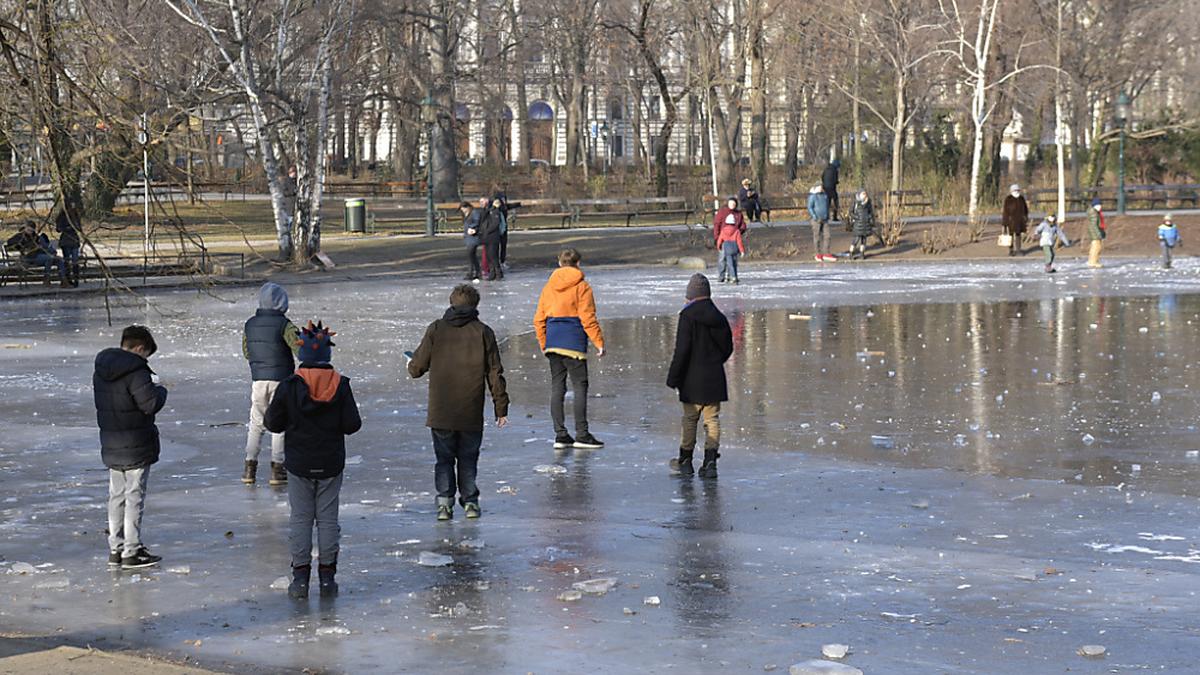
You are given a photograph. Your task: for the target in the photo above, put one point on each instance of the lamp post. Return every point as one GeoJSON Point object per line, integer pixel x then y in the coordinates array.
{"type": "Point", "coordinates": [144, 140]}
{"type": "Point", "coordinates": [429, 116]}
{"type": "Point", "coordinates": [1122, 113]}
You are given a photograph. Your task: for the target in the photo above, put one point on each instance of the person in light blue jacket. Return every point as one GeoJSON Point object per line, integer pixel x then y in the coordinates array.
{"type": "Point", "coordinates": [818, 213]}
{"type": "Point", "coordinates": [1168, 237]}
{"type": "Point", "coordinates": [1050, 234]}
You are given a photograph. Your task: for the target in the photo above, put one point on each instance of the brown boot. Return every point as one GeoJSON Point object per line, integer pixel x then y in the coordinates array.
{"type": "Point", "coordinates": [278, 474]}
{"type": "Point", "coordinates": [250, 473]}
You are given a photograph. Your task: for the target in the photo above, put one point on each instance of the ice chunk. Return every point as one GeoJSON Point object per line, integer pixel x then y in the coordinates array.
{"type": "Point", "coordinates": [280, 584]}
{"type": "Point", "coordinates": [22, 568]}
{"type": "Point", "coordinates": [835, 651]}
{"type": "Point", "coordinates": [549, 468]}
{"type": "Point", "coordinates": [960, 440]}
{"type": "Point", "coordinates": [1088, 439]}
{"type": "Point", "coordinates": [570, 596]}
{"type": "Point", "coordinates": [652, 600]}
{"type": "Point", "coordinates": [883, 442]}
{"type": "Point", "coordinates": [356, 459]}
{"type": "Point", "coordinates": [1155, 397]}
{"type": "Point", "coordinates": [431, 559]}
{"type": "Point", "coordinates": [58, 584]}
{"type": "Point", "coordinates": [1092, 651]}
{"type": "Point", "coordinates": [818, 667]}
{"type": "Point", "coordinates": [181, 569]}
{"type": "Point", "coordinates": [475, 544]}
{"type": "Point", "coordinates": [333, 630]}
{"type": "Point", "coordinates": [595, 586]}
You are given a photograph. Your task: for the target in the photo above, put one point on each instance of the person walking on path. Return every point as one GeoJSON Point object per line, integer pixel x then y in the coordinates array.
{"type": "Point", "coordinates": [1098, 231]}
{"type": "Point", "coordinates": [460, 353]}
{"type": "Point", "coordinates": [269, 342]}
{"type": "Point", "coordinates": [1050, 235]}
{"type": "Point", "coordinates": [749, 201]}
{"type": "Point", "coordinates": [127, 399]}
{"type": "Point", "coordinates": [471, 240]}
{"type": "Point", "coordinates": [729, 214]}
{"type": "Point", "coordinates": [862, 224]}
{"type": "Point", "coordinates": [818, 214]}
{"type": "Point", "coordinates": [68, 245]}
{"type": "Point", "coordinates": [314, 409]}
{"type": "Point", "coordinates": [729, 242]}
{"type": "Point", "coordinates": [703, 343]}
{"type": "Point", "coordinates": [564, 322]}
{"type": "Point", "coordinates": [829, 181]}
{"type": "Point", "coordinates": [1168, 237]}
{"type": "Point", "coordinates": [1014, 218]}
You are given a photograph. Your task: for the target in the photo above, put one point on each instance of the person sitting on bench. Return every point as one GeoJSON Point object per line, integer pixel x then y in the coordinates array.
{"type": "Point", "coordinates": [35, 250]}
{"type": "Point", "coordinates": [748, 201]}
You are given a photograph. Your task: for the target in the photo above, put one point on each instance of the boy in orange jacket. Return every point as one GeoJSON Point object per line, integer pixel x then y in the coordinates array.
{"type": "Point", "coordinates": [564, 322]}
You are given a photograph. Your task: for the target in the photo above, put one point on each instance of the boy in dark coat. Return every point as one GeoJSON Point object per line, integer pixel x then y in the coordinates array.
{"type": "Point", "coordinates": [460, 353]}
{"type": "Point", "coordinates": [127, 399]}
{"type": "Point", "coordinates": [269, 343]}
{"type": "Point", "coordinates": [703, 343]}
{"type": "Point", "coordinates": [314, 409]}
{"type": "Point", "coordinates": [862, 224]}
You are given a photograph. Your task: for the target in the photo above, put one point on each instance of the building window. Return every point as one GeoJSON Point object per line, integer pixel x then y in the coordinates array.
{"type": "Point", "coordinates": [654, 107]}
{"type": "Point", "coordinates": [618, 146]}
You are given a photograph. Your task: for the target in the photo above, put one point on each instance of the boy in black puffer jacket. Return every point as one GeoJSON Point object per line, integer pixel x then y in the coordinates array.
{"type": "Point", "coordinates": [703, 343]}
{"type": "Point", "coordinates": [314, 409]}
{"type": "Point", "coordinates": [862, 223]}
{"type": "Point", "coordinates": [127, 400]}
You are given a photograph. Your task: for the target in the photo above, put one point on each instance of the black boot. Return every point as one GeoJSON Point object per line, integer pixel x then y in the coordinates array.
{"type": "Point", "coordinates": [299, 586]}
{"type": "Point", "coordinates": [250, 472]}
{"type": "Point", "coordinates": [329, 587]}
{"type": "Point", "coordinates": [682, 465]}
{"type": "Point", "coordinates": [709, 468]}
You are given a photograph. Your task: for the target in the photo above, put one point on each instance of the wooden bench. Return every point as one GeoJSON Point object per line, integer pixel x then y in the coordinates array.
{"type": "Point", "coordinates": [411, 216]}
{"type": "Point", "coordinates": [910, 199]}
{"type": "Point", "coordinates": [651, 207]}
{"type": "Point", "coordinates": [629, 209]}
{"type": "Point", "coordinates": [14, 268]}
{"type": "Point", "coordinates": [539, 208]}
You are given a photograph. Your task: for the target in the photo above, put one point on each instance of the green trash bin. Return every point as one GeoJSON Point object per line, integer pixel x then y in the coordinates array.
{"type": "Point", "coordinates": [356, 215]}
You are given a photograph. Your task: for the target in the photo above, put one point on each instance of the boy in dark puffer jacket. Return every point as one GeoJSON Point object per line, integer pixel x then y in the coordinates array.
{"type": "Point", "coordinates": [703, 343]}
{"type": "Point", "coordinates": [314, 409]}
{"type": "Point", "coordinates": [127, 399]}
{"type": "Point", "coordinates": [269, 343]}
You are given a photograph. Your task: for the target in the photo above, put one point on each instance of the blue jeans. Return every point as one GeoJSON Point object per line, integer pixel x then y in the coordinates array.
{"type": "Point", "coordinates": [47, 261]}
{"type": "Point", "coordinates": [727, 264]}
{"type": "Point", "coordinates": [457, 452]}
{"type": "Point", "coordinates": [70, 262]}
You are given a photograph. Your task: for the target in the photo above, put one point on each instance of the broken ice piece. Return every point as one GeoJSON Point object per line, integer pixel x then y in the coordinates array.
{"type": "Point", "coordinates": [58, 584]}
{"type": "Point", "coordinates": [652, 600]}
{"type": "Point", "coordinates": [1088, 439]}
{"type": "Point", "coordinates": [181, 569]}
{"type": "Point", "coordinates": [570, 596]}
{"type": "Point", "coordinates": [595, 586]}
{"type": "Point", "coordinates": [883, 442]}
{"type": "Point", "coordinates": [431, 559]}
{"type": "Point", "coordinates": [1155, 397]}
{"type": "Point", "coordinates": [920, 504]}
{"type": "Point", "coordinates": [356, 459]}
{"type": "Point", "coordinates": [280, 584]}
{"type": "Point", "coordinates": [819, 667]}
{"type": "Point", "coordinates": [799, 317]}
{"type": "Point", "coordinates": [506, 490]}
{"type": "Point", "coordinates": [471, 544]}
{"type": "Point", "coordinates": [1192, 454]}
{"type": "Point", "coordinates": [835, 651]}
{"type": "Point", "coordinates": [22, 568]}
{"type": "Point", "coordinates": [627, 611]}
{"type": "Point", "coordinates": [1092, 651]}
{"type": "Point", "coordinates": [333, 630]}
{"type": "Point", "coordinates": [549, 469]}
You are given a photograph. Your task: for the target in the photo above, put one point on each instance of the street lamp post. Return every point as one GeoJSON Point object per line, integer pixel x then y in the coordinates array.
{"type": "Point", "coordinates": [1122, 112]}
{"type": "Point", "coordinates": [429, 116]}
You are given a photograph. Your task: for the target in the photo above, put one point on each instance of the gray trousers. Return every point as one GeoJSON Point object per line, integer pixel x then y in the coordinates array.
{"type": "Point", "coordinates": [314, 500]}
{"type": "Point", "coordinates": [261, 393]}
{"type": "Point", "coordinates": [126, 502]}
{"type": "Point", "coordinates": [820, 235]}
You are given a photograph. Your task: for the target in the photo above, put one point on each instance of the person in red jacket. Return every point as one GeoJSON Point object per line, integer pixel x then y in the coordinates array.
{"type": "Point", "coordinates": [727, 215]}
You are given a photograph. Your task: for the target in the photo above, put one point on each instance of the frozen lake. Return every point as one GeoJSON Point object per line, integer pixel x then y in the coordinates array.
{"type": "Point", "coordinates": [969, 468]}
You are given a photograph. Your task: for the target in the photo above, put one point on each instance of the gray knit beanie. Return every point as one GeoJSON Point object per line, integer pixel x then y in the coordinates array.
{"type": "Point", "coordinates": [698, 287]}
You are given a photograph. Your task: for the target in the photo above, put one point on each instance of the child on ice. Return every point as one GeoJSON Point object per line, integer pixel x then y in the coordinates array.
{"type": "Point", "coordinates": [1050, 234]}
{"type": "Point", "coordinates": [314, 409]}
{"type": "Point", "coordinates": [729, 243]}
{"type": "Point", "coordinates": [1168, 237]}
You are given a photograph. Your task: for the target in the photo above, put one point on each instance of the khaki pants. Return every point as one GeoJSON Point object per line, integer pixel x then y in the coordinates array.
{"type": "Point", "coordinates": [692, 412]}
{"type": "Point", "coordinates": [260, 397]}
{"type": "Point", "coordinates": [1094, 253]}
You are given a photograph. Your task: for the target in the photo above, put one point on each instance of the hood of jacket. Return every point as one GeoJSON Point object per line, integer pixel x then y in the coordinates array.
{"type": "Point", "coordinates": [565, 278]}
{"type": "Point", "coordinates": [704, 311]}
{"type": "Point", "coordinates": [114, 363]}
{"type": "Point", "coordinates": [322, 381]}
{"type": "Point", "coordinates": [272, 296]}
{"type": "Point", "coordinates": [460, 316]}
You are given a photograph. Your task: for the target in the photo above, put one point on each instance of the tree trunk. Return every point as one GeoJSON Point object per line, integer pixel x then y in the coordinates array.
{"type": "Point", "coordinates": [726, 163]}
{"type": "Point", "coordinates": [898, 127]}
{"type": "Point", "coordinates": [444, 162]}
{"type": "Point", "coordinates": [759, 146]}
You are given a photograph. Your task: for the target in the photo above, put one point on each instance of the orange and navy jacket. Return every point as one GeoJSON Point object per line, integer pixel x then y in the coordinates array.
{"type": "Point", "coordinates": [566, 315]}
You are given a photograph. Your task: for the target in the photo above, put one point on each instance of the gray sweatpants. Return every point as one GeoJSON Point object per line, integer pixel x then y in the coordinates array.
{"type": "Point", "coordinates": [261, 394]}
{"type": "Point", "coordinates": [126, 502]}
{"type": "Point", "coordinates": [314, 499]}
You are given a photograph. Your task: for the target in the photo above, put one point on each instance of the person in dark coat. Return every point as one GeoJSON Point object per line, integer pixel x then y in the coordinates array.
{"type": "Point", "coordinates": [460, 353]}
{"type": "Point", "coordinates": [1015, 218]}
{"type": "Point", "coordinates": [749, 201]}
{"type": "Point", "coordinates": [500, 201]}
{"type": "Point", "coordinates": [269, 342]}
{"type": "Point", "coordinates": [471, 239]}
{"type": "Point", "coordinates": [829, 181]}
{"type": "Point", "coordinates": [127, 399]}
{"type": "Point", "coordinates": [35, 250]}
{"type": "Point", "coordinates": [314, 409]}
{"type": "Point", "coordinates": [489, 235]}
{"type": "Point", "coordinates": [862, 224]}
{"type": "Point", "coordinates": [703, 343]}
{"type": "Point", "coordinates": [69, 242]}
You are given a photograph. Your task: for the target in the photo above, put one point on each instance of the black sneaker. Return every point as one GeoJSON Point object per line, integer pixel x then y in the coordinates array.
{"type": "Point", "coordinates": [140, 559]}
{"type": "Point", "coordinates": [563, 441]}
{"type": "Point", "coordinates": [114, 558]}
{"type": "Point", "coordinates": [588, 441]}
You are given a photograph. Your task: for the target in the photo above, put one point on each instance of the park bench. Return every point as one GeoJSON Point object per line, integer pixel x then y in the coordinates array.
{"type": "Point", "coordinates": [651, 207]}
{"type": "Point", "coordinates": [539, 208]}
{"type": "Point", "coordinates": [629, 209]}
{"type": "Point", "coordinates": [14, 268]}
{"type": "Point", "coordinates": [410, 217]}
{"type": "Point", "coordinates": [910, 199]}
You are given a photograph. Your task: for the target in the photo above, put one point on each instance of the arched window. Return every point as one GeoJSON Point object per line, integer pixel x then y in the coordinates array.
{"type": "Point", "coordinates": [541, 132]}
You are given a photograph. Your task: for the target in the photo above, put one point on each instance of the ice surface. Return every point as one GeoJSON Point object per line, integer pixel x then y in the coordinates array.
{"type": "Point", "coordinates": [797, 545]}
{"type": "Point", "coordinates": [431, 559]}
